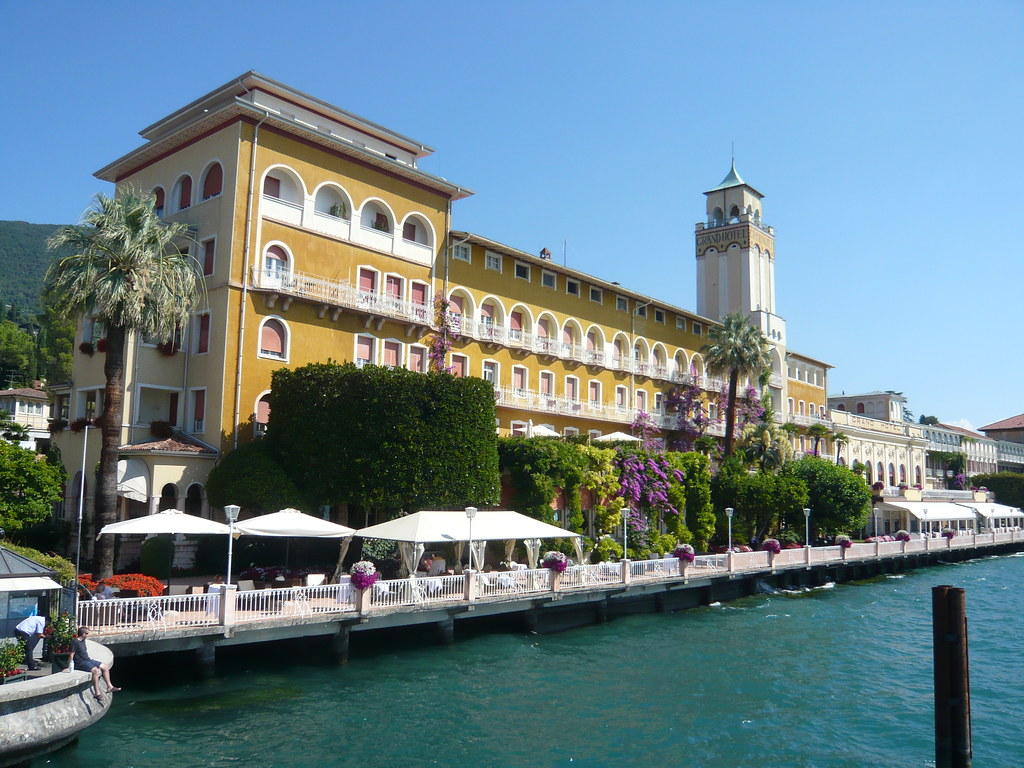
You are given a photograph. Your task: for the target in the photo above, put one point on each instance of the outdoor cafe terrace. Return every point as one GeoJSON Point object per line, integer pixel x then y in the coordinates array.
{"type": "Point", "coordinates": [246, 607]}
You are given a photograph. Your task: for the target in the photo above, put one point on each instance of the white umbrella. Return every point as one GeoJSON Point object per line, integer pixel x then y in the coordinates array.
{"type": "Point", "coordinates": [292, 522]}
{"type": "Point", "coordinates": [541, 431]}
{"type": "Point", "coordinates": [167, 521]}
{"type": "Point", "coordinates": [615, 437]}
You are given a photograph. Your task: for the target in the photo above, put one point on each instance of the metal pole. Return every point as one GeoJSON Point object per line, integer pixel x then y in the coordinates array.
{"type": "Point", "coordinates": [81, 501]}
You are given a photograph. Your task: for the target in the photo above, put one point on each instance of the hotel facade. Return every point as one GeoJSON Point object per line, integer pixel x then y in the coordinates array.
{"type": "Point", "coordinates": [320, 238]}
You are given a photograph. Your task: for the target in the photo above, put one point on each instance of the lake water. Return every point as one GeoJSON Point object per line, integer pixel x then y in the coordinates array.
{"type": "Point", "coordinates": [832, 678]}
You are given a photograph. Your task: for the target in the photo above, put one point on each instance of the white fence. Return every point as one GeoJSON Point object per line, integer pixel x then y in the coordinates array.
{"type": "Point", "coordinates": [177, 612]}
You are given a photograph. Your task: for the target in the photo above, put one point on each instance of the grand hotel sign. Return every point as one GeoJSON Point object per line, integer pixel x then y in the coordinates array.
{"type": "Point", "coordinates": [721, 239]}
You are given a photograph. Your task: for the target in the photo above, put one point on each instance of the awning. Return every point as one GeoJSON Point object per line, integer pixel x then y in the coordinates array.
{"type": "Point", "coordinates": [133, 479]}
{"type": "Point", "coordinates": [27, 584]}
{"type": "Point", "coordinates": [488, 525]}
{"type": "Point", "coordinates": [931, 511]}
{"type": "Point", "coordinates": [989, 510]}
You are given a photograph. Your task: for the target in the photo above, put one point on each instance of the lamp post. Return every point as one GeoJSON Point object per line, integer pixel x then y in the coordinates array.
{"type": "Point", "coordinates": [728, 514]}
{"type": "Point", "coordinates": [807, 527]}
{"type": "Point", "coordinates": [81, 502]}
{"type": "Point", "coordinates": [231, 513]}
{"type": "Point", "coordinates": [470, 513]}
{"type": "Point", "coordinates": [874, 514]}
{"type": "Point", "coordinates": [625, 533]}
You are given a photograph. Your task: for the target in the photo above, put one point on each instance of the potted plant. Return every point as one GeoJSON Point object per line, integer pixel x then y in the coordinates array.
{"type": "Point", "coordinates": [771, 546]}
{"type": "Point", "coordinates": [902, 535]}
{"type": "Point", "coordinates": [844, 542]}
{"type": "Point", "coordinates": [555, 561]}
{"type": "Point", "coordinates": [101, 345]}
{"type": "Point", "coordinates": [338, 211]}
{"type": "Point", "coordinates": [58, 638]}
{"type": "Point", "coordinates": [12, 656]}
{"type": "Point", "coordinates": [56, 425]}
{"type": "Point", "coordinates": [364, 574]}
{"type": "Point", "coordinates": [160, 429]}
{"type": "Point", "coordinates": [167, 348]}
{"type": "Point", "coordinates": [79, 424]}
{"type": "Point", "coordinates": [86, 348]}
{"type": "Point", "coordinates": [948, 533]}
{"type": "Point", "coordinates": [684, 552]}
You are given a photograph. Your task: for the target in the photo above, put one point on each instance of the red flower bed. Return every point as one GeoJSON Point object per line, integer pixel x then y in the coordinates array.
{"type": "Point", "coordinates": [146, 586]}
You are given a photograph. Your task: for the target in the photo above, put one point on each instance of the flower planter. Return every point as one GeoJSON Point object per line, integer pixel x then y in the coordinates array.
{"type": "Point", "coordinates": [15, 678]}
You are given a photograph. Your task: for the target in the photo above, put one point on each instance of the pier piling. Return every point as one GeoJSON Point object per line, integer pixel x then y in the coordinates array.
{"type": "Point", "coordinates": [952, 678]}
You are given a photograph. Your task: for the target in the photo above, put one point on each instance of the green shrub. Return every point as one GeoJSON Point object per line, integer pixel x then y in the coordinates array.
{"type": "Point", "coordinates": [607, 549]}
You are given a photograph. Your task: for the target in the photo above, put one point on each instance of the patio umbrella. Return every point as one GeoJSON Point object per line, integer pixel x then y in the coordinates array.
{"type": "Point", "coordinates": [291, 522]}
{"type": "Point", "coordinates": [172, 521]}
{"type": "Point", "coordinates": [615, 437]}
{"type": "Point", "coordinates": [541, 431]}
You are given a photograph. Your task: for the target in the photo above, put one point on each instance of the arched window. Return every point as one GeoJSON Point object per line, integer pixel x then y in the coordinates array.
{"type": "Point", "coordinates": [892, 474]}
{"type": "Point", "coordinates": [917, 475]}
{"type": "Point", "coordinates": [717, 217]}
{"type": "Point", "coordinates": [881, 472]}
{"type": "Point", "coordinates": [262, 415]}
{"type": "Point", "coordinates": [213, 182]}
{"type": "Point", "coordinates": [860, 407]}
{"type": "Point", "coordinates": [415, 230]}
{"type": "Point", "coordinates": [275, 265]}
{"type": "Point", "coordinates": [734, 212]}
{"type": "Point", "coordinates": [169, 497]}
{"type": "Point", "coordinates": [373, 216]}
{"type": "Point", "coordinates": [194, 500]}
{"type": "Point", "coordinates": [158, 201]}
{"type": "Point", "coordinates": [274, 339]}
{"type": "Point", "coordinates": [183, 193]}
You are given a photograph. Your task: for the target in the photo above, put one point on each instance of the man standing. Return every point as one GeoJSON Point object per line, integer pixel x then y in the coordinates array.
{"type": "Point", "coordinates": [30, 630]}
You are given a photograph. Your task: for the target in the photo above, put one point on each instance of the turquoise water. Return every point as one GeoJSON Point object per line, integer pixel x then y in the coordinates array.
{"type": "Point", "coordinates": [834, 677]}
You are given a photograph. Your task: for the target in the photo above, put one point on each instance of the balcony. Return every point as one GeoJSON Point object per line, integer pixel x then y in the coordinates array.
{"type": "Point", "coordinates": [282, 210]}
{"type": "Point", "coordinates": [337, 295]}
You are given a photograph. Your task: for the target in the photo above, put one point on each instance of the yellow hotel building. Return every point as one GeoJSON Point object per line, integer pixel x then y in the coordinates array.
{"type": "Point", "coordinates": [321, 238]}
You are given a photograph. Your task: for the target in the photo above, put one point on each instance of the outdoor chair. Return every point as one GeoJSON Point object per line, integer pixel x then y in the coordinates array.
{"type": "Point", "coordinates": [246, 585]}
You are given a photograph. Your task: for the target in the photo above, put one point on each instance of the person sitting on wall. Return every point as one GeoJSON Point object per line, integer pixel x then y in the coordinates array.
{"type": "Point", "coordinates": [30, 630]}
{"type": "Point", "coordinates": [84, 662]}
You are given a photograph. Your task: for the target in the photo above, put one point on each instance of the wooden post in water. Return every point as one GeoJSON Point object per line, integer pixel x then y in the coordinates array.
{"type": "Point", "coordinates": [952, 678]}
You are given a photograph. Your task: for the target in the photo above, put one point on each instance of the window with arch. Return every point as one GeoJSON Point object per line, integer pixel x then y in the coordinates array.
{"type": "Point", "coordinates": [415, 230]}
{"type": "Point", "coordinates": [169, 497]}
{"type": "Point", "coordinates": [194, 500]}
{"type": "Point", "coordinates": [917, 475]}
{"type": "Point", "coordinates": [213, 181]}
{"type": "Point", "coordinates": [373, 216]}
{"type": "Point", "coordinates": [903, 474]}
{"type": "Point", "coordinates": [275, 265]}
{"type": "Point", "coordinates": [330, 201]}
{"type": "Point", "coordinates": [860, 407]}
{"type": "Point", "coordinates": [717, 217]}
{"type": "Point", "coordinates": [274, 339]}
{"type": "Point", "coordinates": [183, 193]}
{"type": "Point", "coordinates": [262, 415]}
{"type": "Point", "coordinates": [892, 474]}
{"type": "Point", "coordinates": [158, 201]}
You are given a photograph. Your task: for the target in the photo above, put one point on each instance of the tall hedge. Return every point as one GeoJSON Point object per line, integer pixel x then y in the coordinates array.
{"type": "Point", "coordinates": [1008, 487]}
{"type": "Point", "coordinates": [385, 438]}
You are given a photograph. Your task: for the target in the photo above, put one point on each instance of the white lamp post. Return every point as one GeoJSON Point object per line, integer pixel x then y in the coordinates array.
{"type": "Point", "coordinates": [728, 514]}
{"type": "Point", "coordinates": [807, 527]}
{"type": "Point", "coordinates": [471, 513]}
{"type": "Point", "coordinates": [625, 533]}
{"type": "Point", "coordinates": [231, 513]}
{"type": "Point", "coordinates": [81, 501]}
{"type": "Point", "coordinates": [874, 513]}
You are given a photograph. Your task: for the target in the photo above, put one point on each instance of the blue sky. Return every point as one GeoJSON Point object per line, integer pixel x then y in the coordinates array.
{"type": "Point", "coordinates": [886, 138]}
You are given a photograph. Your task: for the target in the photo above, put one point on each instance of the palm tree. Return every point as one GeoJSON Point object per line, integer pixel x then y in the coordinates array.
{"type": "Point", "coordinates": [125, 271]}
{"type": "Point", "coordinates": [738, 349]}
{"type": "Point", "coordinates": [841, 440]}
{"type": "Point", "coordinates": [816, 432]}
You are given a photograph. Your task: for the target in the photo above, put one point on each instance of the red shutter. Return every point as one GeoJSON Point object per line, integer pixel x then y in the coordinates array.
{"type": "Point", "coordinates": [567, 335]}
{"type": "Point", "coordinates": [542, 329]}
{"type": "Point", "coordinates": [572, 389]}
{"type": "Point", "coordinates": [519, 378]}
{"type": "Point", "coordinates": [591, 344]}
{"type": "Point", "coordinates": [172, 415]}
{"type": "Point", "coordinates": [391, 353]}
{"type": "Point", "coordinates": [595, 392]}
{"type": "Point", "coordinates": [409, 231]}
{"type": "Point", "coordinates": [515, 321]}
{"type": "Point", "coordinates": [419, 294]}
{"type": "Point", "coordinates": [272, 187]}
{"type": "Point", "coordinates": [620, 396]}
{"type": "Point", "coordinates": [213, 182]}
{"type": "Point", "coordinates": [263, 410]}
{"type": "Point", "coordinates": [393, 286]}
{"type": "Point", "coordinates": [486, 312]}
{"type": "Point", "coordinates": [364, 348]}
{"type": "Point", "coordinates": [204, 333]}
{"type": "Point", "coordinates": [208, 252]}
{"type": "Point", "coordinates": [380, 222]}
{"type": "Point", "coordinates": [199, 412]}
{"type": "Point", "coordinates": [272, 338]}
{"type": "Point", "coordinates": [417, 359]}
{"type": "Point", "coordinates": [545, 383]}
{"type": "Point", "coordinates": [455, 305]}
{"type": "Point", "coordinates": [367, 280]}
{"type": "Point", "coordinates": [158, 193]}
{"type": "Point", "coordinates": [185, 199]}
{"type": "Point", "coordinates": [459, 366]}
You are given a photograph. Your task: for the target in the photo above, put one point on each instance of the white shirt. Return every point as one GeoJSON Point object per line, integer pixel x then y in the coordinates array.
{"type": "Point", "coordinates": [33, 625]}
